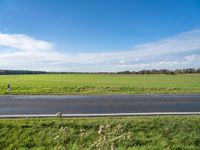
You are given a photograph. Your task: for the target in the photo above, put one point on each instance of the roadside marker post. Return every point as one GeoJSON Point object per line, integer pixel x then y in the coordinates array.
{"type": "Point", "coordinates": [9, 88]}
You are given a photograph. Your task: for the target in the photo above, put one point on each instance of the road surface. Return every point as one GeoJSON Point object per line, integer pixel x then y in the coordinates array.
{"type": "Point", "coordinates": [101, 104]}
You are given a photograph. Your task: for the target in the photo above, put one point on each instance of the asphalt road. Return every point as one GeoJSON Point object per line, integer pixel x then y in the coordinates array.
{"type": "Point", "coordinates": [26, 105]}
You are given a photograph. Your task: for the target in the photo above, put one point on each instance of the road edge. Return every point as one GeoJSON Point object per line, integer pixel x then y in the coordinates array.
{"type": "Point", "coordinates": [96, 115]}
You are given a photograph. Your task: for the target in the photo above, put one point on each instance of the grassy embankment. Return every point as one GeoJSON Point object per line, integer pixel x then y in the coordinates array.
{"type": "Point", "coordinates": [166, 132]}
{"type": "Point", "coordinates": [101, 84]}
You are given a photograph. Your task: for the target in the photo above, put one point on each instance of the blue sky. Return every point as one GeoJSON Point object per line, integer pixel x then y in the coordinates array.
{"type": "Point", "coordinates": [99, 35]}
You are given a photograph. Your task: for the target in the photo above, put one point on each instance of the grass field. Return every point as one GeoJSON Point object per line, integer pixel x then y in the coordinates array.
{"type": "Point", "coordinates": [100, 84]}
{"type": "Point", "coordinates": [164, 132]}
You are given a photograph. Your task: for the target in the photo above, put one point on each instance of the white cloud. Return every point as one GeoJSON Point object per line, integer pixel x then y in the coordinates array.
{"type": "Point", "coordinates": [23, 42]}
{"type": "Point", "coordinates": [18, 51]}
{"type": "Point", "coordinates": [192, 58]}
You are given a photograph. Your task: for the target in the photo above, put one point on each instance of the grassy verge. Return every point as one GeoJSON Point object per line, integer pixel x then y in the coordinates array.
{"type": "Point", "coordinates": [156, 132]}
{"type": "Point", "coordinates": [101, 84]}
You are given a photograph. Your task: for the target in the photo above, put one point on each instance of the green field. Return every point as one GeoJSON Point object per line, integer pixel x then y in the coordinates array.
{"type": "Point", "coordinates": [100, 84]}
{"type": "Point", "coordinates": [158, 132]}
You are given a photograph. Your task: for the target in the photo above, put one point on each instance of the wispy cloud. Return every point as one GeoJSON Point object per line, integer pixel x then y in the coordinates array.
{"type": "Point", "coordinates": [23, 42]}
{"type": "Point", "coordinates": [18, 51]}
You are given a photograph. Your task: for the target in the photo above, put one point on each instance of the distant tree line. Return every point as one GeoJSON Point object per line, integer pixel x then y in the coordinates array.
{"type": "Point", "coordinates": [161, 71]}
{"type": "Point", "coordinates": [5, 72]}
